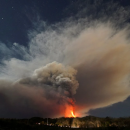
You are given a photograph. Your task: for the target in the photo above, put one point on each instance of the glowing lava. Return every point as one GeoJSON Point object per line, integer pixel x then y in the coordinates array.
{"type": "Point", "coordinates": [69, 111]}
{"type": "Point", "coordinates": [72, 114]}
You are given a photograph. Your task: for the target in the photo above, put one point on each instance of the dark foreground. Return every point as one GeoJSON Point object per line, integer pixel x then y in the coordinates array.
{"type": "Point", "coordinates": [85, 123]}
{"type": "Point", "coordinates": [27, 127]}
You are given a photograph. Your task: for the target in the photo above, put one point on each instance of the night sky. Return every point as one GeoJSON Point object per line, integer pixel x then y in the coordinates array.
{"type": "Point", "coordinates": [58, 54]}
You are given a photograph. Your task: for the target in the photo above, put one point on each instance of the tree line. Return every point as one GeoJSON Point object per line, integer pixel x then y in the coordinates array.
{"type": "Point", "coordinates": [88, 122]}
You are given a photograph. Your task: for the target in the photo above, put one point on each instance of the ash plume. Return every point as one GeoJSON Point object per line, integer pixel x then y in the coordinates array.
{"type": "Point", "coordinates": [56, 80]}
{"type": "Point", "coordinates": [86, 59]}
{"type": "Point", "coordinates": [51, 85]}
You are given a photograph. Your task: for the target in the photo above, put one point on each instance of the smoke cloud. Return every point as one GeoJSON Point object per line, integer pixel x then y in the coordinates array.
{"type": "Point", "coordinates": [51, 85]}
{"type": "Point", "coordinates": [88, 61]}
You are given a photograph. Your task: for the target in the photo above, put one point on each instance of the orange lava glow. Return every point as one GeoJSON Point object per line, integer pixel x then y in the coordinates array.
{"type": "Point", "coordinates": [72, 114]}
{"type": "Point", "coordinates": [70, 111]}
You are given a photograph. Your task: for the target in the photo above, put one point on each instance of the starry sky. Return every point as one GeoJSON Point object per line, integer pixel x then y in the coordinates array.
{"type": "Point", "coordinates": [18, 16]}
{"type": "Point", "coordinates": [39, 39]}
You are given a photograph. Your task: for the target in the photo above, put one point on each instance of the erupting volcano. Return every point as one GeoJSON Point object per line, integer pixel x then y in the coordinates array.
{"type": "Point", "coordinates": [70, 112]}
{"type": "Point", "coordinates": [73, 115]}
